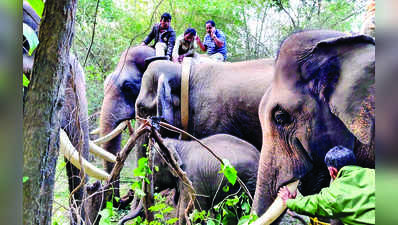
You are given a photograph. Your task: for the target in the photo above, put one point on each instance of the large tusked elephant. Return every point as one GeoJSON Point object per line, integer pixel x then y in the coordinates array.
{"type": "Point", "coordinates": [74, 121]}
{"type": "Point", "coordinates": [204, 173]}
{"type": "Point", "coordinates": [223, 97]}
{"type": "Point", "coordinates": [121, 89]}
{"type": "Point", "coordinates": [322, 96]}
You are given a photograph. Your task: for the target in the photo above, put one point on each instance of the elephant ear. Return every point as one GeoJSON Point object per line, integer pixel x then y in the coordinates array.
{"type": "Point", "coordinates": [352, 97]}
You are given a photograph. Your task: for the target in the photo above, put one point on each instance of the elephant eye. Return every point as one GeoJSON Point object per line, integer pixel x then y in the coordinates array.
{"type": "Point", "coordinates": [128, 88]}
{"type": "Point", "coordinates": [281, 117]}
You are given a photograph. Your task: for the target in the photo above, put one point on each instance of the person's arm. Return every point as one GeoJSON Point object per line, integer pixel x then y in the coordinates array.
{"type": "Point", "coordinates": [170, 44]}
{"type": "Point", "coordinates": [218, 40]}
{"type": "Point", "coordinates": [150, 36]}
{"type": "Point", "coordinates": [201, 46]}
{"type": "Point", "coordinates": [322, 204]}
{"type": "Point", "coordinates": [191, 50]}
{"type": "Point", "coordinates": [175, 49]}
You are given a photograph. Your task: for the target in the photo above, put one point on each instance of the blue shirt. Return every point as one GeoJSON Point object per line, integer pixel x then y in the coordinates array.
{"type": "Point", "coordinates": [211, 46]}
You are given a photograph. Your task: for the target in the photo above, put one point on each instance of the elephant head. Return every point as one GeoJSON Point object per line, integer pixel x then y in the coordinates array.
{"type": "Point", "coordinates": [121, 89]}
{"type": "Point", "coordinates": [160, 93]}
{"type": "Point", "coordinates": [322, 95]}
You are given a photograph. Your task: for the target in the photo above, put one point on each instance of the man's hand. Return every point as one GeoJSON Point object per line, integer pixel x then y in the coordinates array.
{"type": "Point", "coordinates": [181, 57]}
{"type": "Point", "coordinates": [143, 44]}
{"type": "Point", "coordinates": [285, 194]}
{"type": "Point", "coordinates": [212, 35]}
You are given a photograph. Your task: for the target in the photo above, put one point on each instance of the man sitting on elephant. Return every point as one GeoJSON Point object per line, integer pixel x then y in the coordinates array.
{"type": "Point", "coordinates": [351, 196]}
{"type": "Point", "coordinates": [185, 46]}
{"type": "Point", "coordinates": [214, 42]}
{"type": "Point", "coordinates": [164, 36]}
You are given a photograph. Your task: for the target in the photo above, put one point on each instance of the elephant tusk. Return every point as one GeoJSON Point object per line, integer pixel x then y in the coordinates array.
{"type": "Point", "coordinates": [102, 153]}
{"type": "Point", "coordinates": [95, 131]}
{"type": "Point", "coordinates": [70, 153]}
{"type": "Point", "coordinates": [112, 134]}
{"type": "Point", "coordinates": [276, 209]}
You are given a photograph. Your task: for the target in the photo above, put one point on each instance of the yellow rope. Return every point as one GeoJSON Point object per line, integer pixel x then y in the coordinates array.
{"type": "Point", "coordinates": [315, 221]}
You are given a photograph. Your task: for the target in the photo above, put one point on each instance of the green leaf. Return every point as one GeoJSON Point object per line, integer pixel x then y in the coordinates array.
{"type": "Point", "coordinates": [106, 213]}
{"type": "Point", "coordinates": [37, 5]}
{"type": "Point", "coordinates": [25, 81]}
{"type": "Point", "coordinates": [246, 207]}
{"type": "Point", "coordinates": [229, 171]}
{"type": "Point", "coordinates": [233, 201]}
{"type": "Point", "coordinates": [157, 207]}
{"type": "Point", "coordinates": [159, 216]}
{"type": "Point", "coordinates": [24, 179]}
{"type": "Point", "coordinates": [139, 192]}
{"type": "Point", "coordinates": [196, 215]}
{"type": "Point", "coordinates": [225, 188]}
{"type": "Point", "coordinates": [167, 210]}
{"type": "Point", "coordinates": [172, 221]}
{"type": "Point", "coordinates": [247, 219]}
{"type": "Point", "coordinates": [31, 37]}
{"type": "Point", "coordinates": [210, 222]}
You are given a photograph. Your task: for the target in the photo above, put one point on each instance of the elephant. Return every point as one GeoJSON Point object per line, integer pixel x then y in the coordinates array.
{"type": "Point", "coordinates": [223, 97]}
{"type": "Point", "coordinates": [121, 89]}
{"type": "Point", "coordinates": [31, 19]}
{"type": "Point", "coordinates": [322, 95]}
{"type": "Point", "coordinates": [204, 173]}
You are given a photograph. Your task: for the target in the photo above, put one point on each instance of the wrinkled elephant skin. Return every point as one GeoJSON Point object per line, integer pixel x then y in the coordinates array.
{"type": "Point", "coordinates": [322, 96]}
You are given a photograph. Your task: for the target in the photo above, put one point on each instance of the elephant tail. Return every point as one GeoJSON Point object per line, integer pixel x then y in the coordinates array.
{"type": "Point", "coordinates": [134, 212]}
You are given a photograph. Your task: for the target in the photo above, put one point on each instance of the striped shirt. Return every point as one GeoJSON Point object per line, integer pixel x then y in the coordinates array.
{"type": "Point", "coordinates": [211, 46]}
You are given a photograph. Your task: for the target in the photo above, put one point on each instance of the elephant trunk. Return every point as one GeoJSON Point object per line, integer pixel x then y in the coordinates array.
{"type": "Point", "coordinates": [134, 212]}
{"type": "Point", "coordinates": [277, 207]}
{"type": "Point", "coordinates": [276, 169]}
{"type": "Point", "coordinates": [265, 188]}
{"type": "Point", "coordinates": [108, 122]}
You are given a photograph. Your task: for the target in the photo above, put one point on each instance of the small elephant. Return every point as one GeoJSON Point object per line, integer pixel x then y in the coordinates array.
{"type": "Point", "coordinates": [202, 168]}
{"type": "Point", "coordinates": [323, 95]}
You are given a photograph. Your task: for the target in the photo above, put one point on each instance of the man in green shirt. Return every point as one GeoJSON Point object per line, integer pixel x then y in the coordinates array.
{"type": "Point", "coordinates": [350, 197]}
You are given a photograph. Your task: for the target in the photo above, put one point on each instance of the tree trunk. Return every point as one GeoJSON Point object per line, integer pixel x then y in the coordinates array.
{"type": "Point", "coordinates": [42, 108]}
